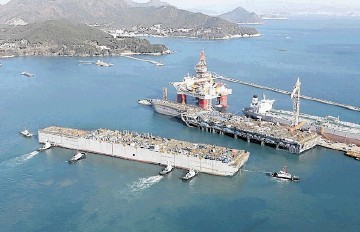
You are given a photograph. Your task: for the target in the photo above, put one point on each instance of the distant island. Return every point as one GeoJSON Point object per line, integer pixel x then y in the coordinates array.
{"type": "Point", "coordinates": [64, 38]}
{"type": "Point", "coordinates": [242, 16]}
{"type": "Point", "coordinates": [126, 15]}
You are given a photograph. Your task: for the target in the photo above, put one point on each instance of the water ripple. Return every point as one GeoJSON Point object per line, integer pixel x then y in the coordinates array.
{"type": "Point", "coordinates": [18, 160]}
{"type": "Point", "coordinates": [137, 187]}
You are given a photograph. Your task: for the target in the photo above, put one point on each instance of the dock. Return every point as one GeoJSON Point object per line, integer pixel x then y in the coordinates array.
{"type": "Point", "coordinates": [145, 60]}
{"type": "Point", "coordinates": [210, 159]}
{"type": "Point", "coordinates": [264, 133]}
{"type": "Point", "coordinates": [350, 150]}
{"type": "Point", "coordinates": [349, 107]}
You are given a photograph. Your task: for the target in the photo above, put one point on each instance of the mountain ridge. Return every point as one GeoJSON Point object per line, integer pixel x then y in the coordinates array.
{"type": "Point", "coordinates": [113, 13]}
{"type": "Point", "coordinates": [240, 15]}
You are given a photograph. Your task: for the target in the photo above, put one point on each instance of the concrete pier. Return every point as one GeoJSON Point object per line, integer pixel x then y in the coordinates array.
{"type": "Point", "coordinates": [204, 158]}
{"type": "Point", "coordinates": [349, 149]}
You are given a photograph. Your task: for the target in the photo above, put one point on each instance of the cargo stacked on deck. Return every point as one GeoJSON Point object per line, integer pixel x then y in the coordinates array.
{"type": "Point", "coordinates": [205, 158]}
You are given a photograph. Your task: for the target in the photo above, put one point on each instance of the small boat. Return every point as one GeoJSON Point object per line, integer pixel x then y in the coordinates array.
{"type": "Point", "coordinates": [78, 156]}
{"type": "Point", "coordinates": [46, 146]}
{"type": "Point", "coordinates": [189, 175]}
{"type": "Point", "coordinates": [146, 102]}
{"type": "Point", "coordinates": [27, 74]}
{"type": "Point", "coordinates": [26, 133]}
{"type": "Point", "coordinates": [103, 64]}
{"type": "Point", "coordinates": [166, 170]}
{"type": "Point", "coordinates": [283, 174]}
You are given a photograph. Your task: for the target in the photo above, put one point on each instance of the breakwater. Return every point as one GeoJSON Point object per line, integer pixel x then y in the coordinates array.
{"type": "Point", "coordinates": [145, 60]}
{"type": "Point", "coordinates": [349, 107]}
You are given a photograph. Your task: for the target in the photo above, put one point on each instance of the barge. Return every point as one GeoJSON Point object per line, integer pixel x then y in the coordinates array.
{"type": "Point", "coordinates": [147, 148]}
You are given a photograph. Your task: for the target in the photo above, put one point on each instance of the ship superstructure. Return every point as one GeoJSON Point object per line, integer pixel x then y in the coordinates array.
{"type": "Point", "coordinates": [203, 87]}
{"type": "Point", "coordinates": [331, 128]}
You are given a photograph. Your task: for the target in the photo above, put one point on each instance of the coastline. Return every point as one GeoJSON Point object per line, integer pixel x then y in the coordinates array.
{"type": "Point", "coordinates": [194, 37]}
{"type": "Point", "coordinates": [130, 53]}
{"type": "Point", "coordinates": [116, 55]}
{"type": "Point", "coordinates": [240, 36]}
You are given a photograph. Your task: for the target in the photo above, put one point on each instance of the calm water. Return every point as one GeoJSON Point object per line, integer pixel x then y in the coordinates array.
{"type": "Point", "coordinates": [41, 192]}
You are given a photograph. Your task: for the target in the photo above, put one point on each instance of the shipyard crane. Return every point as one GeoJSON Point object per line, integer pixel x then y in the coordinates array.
{"type": "Point", "coordinates": [295, 95]}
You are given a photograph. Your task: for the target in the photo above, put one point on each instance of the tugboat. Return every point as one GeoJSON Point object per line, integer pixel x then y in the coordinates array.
{"type": "Point", "coordinates": [189, 175]}
{"type": "Point", "coordinates": [78, 156]}
{"type": "Point", "coordinates": [167, 170]}
{"type": "Point", "coordinates": [283, 174]}
{"type": "Point", "coordinates": [46, 146]}
{"type": "Point", "coordinates": [26, 133]}
{"type": "Point", "coordinates": [146, 102]}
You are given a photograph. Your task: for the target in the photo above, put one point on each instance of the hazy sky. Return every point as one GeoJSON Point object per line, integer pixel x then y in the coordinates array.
{"type": "Point", "coordinates": [260, 5]}
{"type": "Point", "coordinates": [257, 5]}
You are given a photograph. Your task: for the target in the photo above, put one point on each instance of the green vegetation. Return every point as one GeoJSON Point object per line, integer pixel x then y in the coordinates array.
{"type": "Point", "coordinates": [60, 37]}
{"type": "Point", "coordinates": [123, 14]}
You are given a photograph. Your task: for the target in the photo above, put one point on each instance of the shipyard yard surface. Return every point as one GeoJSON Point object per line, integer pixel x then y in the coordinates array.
{"type": "Point", "coordinates": [41, 192]}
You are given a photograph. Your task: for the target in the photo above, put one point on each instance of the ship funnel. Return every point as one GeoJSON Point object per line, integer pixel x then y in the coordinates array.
{"type": "Point", "coordinates": [255, 100]}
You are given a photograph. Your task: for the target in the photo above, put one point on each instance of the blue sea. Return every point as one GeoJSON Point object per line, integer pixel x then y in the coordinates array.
{"type": "Point", "coordinates": [41, 192]}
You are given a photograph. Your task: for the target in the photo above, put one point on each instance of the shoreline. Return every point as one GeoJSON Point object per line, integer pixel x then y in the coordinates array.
{"type": "Point", "coordinates": [117, 55]}
{"type": "Point", "coordinates": [194, 37]}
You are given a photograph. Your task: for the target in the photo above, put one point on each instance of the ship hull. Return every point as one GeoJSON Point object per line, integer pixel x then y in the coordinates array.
{"type": "Point", "coordinates": [166, 110]}
{"type": "Point", "coordinates": [268, 118]}
{"type": "Point", "coordinates": [284, 118]}
{"type": "Point", "coordinates": [341, 139]}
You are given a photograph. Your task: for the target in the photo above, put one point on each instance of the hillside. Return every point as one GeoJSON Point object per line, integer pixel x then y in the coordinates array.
{"type": "Point", "coordinates": [240, 15]}
{"type": "Point", "coordinates": [113, 13]}
{"type": "Point", "coordinates": [62, 37]}
{"type": "Point", "coordinates": [154, 3]}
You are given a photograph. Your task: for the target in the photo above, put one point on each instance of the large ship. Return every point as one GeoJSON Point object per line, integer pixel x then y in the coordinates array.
{"type": "Point", "coordinates": [170, 108]}
{"type": "Point", "coordinates": [331, 128]}
{"type": "Point", "coordinates": [201, 86]}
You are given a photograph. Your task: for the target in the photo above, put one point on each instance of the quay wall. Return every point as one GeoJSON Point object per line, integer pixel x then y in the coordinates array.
{"type": "Point", "coordinates": [182, 161]}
